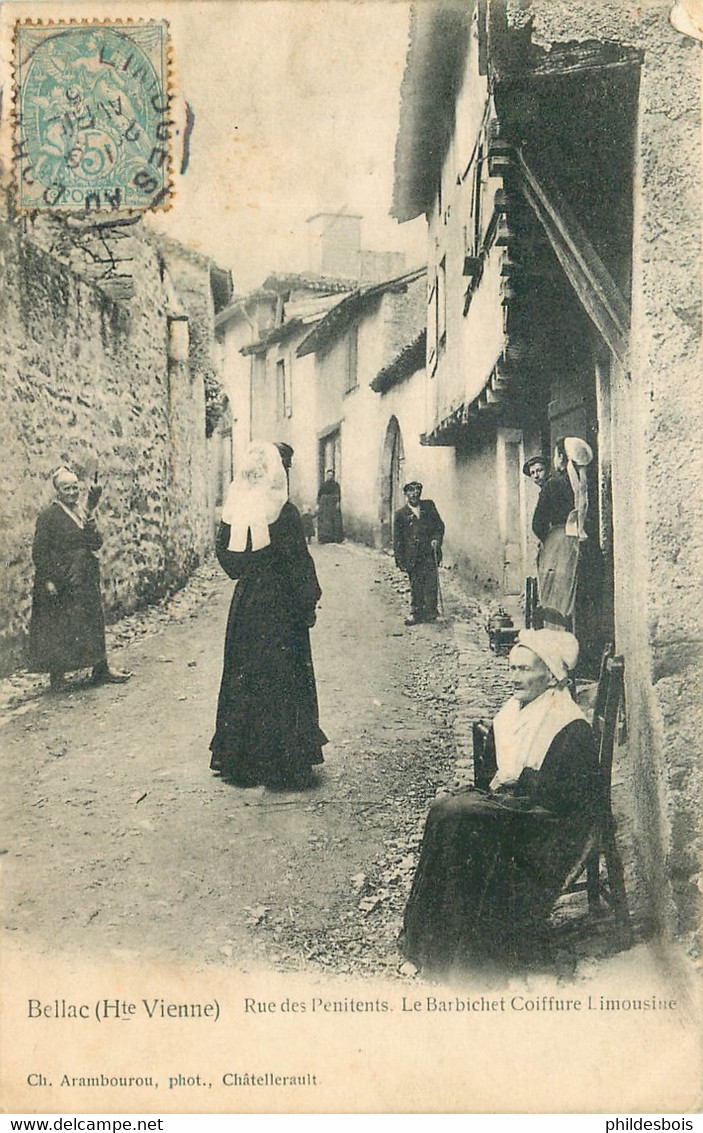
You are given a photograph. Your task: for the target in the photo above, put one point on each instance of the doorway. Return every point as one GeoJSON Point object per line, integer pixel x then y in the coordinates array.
{"type": "Point", "coordinates": [330, 456]}
{"type": "Point", "coordinates": [580, 407]}
{"type": "Point", "coordinates": [392, 470]}
{"type": "Point", "coordinates": [511, 509]}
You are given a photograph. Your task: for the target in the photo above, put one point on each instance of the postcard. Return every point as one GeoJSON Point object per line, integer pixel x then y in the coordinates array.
{"type": "Point", "coordinates": [350, 640]}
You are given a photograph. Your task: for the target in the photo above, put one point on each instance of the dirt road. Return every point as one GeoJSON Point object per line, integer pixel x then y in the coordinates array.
{"type": "Point", "coordinates": [119, 841]}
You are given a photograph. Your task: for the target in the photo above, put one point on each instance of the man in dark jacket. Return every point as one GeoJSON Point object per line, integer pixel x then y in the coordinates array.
{"type": "Point", "coordinates": [417, 543]}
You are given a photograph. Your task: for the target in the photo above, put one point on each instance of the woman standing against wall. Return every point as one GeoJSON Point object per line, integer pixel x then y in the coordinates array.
{"type": "Point", "coordinates": [569, 563]}
{"type": "Point", "coordinates": [330, 528]}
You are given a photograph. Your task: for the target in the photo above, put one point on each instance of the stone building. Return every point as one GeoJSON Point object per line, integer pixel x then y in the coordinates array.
{"type": "Point", "coordinates": [280, 392]}
{"type": "Point", "coordinates": [371, 402]}
{"type": "Point", "coordinates": [271, 390]}
{"type": "Point", "coordinates": [554, 151]}
{"type": "Point", "coordinates": [108, 373]}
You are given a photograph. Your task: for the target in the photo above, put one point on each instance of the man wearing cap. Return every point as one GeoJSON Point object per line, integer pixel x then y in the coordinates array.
{"type": "Point", "coordinates": [537, 470]}
{"type": "Point", "coordinates": [417, 544]}
{"type": "Point", "coordinates": [67, 628]}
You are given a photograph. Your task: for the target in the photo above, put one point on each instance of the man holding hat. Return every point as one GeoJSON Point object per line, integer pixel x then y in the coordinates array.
{"type": "Point", "coordinates": [417, 544]}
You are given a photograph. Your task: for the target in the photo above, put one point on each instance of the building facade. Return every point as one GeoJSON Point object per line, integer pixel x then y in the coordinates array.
{"type": "Point", "coordinates": [362, 426]}
{"type": "Point", "coordinates": [272, 391]}
{"type": "Point", "coordinates": [299, 353]}
{"type": "Point", "coordinates": [553, 153]}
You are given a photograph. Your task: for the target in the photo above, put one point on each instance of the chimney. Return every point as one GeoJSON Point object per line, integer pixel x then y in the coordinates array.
{"type": "Point", "coordinates": [334, 242]}
{"type": "Point", "coordinates": [375, 267]}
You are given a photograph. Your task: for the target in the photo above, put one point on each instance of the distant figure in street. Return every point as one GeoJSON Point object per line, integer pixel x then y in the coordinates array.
{"type": "Point", "coordinates": [492, 862]}
{"type": "Point", "coordinates": [308, 521]}
{"type": "Point", "coordinates": [67, 628]}
{"type": "Point", "coordinates": [267, 729]}
{"type": "Point", "coordinates": [417, 544]}
{"type": "Point", "coordinates": [329, 510]}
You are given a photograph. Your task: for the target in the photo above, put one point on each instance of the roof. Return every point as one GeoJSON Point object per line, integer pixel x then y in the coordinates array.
{"type": "Point", "coordinates": [410, 359]}
{"type": "Point", "coordinates": [290, 281]}
{"type": "Point", "coordinates": [333, 212]}
{"type": "Point", "coordinates": [342, 315]}
{"type": "Point", "coordinates": [439, 39]}
{"type": "Point", "coordinates": [237, 306]}
{"type": "Point", "coordinates": [276, 285]}
{"type": "Point", "coordinates": [278, 334]}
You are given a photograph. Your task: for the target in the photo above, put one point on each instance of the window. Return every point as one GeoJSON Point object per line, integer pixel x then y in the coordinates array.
{"type": "Point", "coordinates": [330, 455]}
{"type": "Point", "coordinates": [437, 317]}
{"type": "Point", "coordinates": [442, 306]}
{"type": "Point", "coordinates": [477, 203]}
{"type": "Point", "coordinates": [283, 387]}
{"type": "Point", "coordinates": [432, 329]}
{"type": "Point", "coordinates": [352, 368]}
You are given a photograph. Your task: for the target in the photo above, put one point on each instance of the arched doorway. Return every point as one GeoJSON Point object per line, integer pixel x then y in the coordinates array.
{"type": "Point", "coordinates": [392, 463]}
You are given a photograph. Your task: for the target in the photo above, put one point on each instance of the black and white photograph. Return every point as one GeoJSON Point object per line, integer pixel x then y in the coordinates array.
{"type": "Point", "coordinates": [350, 618]}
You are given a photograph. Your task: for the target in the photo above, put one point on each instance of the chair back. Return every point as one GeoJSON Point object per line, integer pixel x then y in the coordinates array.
{"type": "Point", "coordinates": [609, 700]}
{"type": "Point", "coordinates": [601, 691]}
{"type": "Point", "coordinates": [533, 612]}
{"type": "Point", "coordinates": [485, 765]}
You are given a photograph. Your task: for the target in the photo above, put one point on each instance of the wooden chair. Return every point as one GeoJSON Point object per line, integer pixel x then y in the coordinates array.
{"type": "Point", "coordinates": [601, 843]}
{"type": "Point", "coordinates": [485, 765]}
{"type": "Point", "coordinates": [533, 613]}
{"type": "Point", "coordinates": [609, 704]}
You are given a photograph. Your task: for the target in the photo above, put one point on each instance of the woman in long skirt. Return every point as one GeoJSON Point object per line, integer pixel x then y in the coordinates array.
{"type": "Point", "coordinates": [330, 528]}
{"type": "Point", "coordinates": [267, 729]}
{"type": "Point", "coordinates": [570, 562]}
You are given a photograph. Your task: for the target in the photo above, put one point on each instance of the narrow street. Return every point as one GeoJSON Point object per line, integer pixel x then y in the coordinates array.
{"type": "Point", "coordinates": [121, 843]}
{"type": "Point", "coordinates": [123, 854]}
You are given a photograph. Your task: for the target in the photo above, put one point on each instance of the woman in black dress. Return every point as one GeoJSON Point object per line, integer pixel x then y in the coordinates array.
{"type": "Point", "coordinates": [267, 729]}
{"type": "Point", "coordinates": [330, 528]}
{"type": "Point", "coordinates": [493, 862]}
{"type": "Point", "coordinates": [67, 628]}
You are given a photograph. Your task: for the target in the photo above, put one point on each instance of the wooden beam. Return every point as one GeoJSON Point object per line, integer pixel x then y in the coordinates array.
{"type": "Point", "coordinates": [595, 287]}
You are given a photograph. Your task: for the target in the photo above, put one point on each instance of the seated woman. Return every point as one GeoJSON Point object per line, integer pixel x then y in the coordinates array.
{"type": "Point", "coordinates": [492, 862]}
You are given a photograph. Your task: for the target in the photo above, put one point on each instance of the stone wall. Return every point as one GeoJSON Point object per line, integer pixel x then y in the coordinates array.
{"type": "Point", "coordinates": [86, 379]}
{"type": "Point", "coordinates": [656, 430]}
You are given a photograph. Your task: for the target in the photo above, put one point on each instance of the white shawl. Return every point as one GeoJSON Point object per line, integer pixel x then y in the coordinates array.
{"type": "Point", "coordinates": [255, 498]}
{"type": "Point", "coordinates": [579, 454]}
{"type": "Point", "coordinates": [576, 520]}
{"type": "Point", "coordinates": [75, 513]}
{"type": "Point", "coordinates": [523, 735]}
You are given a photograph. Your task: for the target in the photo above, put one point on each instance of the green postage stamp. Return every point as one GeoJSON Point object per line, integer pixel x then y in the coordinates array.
{"type": "Point", "coordinates": [92, 116]}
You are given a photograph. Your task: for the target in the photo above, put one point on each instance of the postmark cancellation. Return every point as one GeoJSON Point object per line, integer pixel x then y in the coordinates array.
{"type": "Point", "coordinates": [92, 116]}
